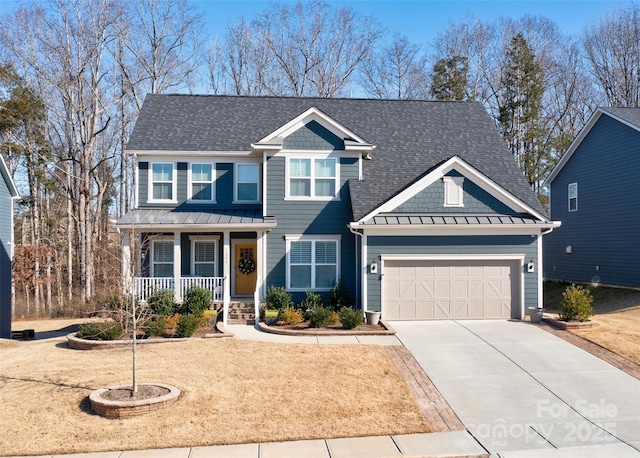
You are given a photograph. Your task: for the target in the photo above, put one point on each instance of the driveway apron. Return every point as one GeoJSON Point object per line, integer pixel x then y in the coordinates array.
{"type": "Point", "coordinates": [518, 388]}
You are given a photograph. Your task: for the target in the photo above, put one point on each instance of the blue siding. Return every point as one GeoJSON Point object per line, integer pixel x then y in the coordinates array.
{"type": "Point", "coordinates": [445, 245]}
{"type": "Point", "coordinates": [476, 200]}
{"type": "Point", "coordinates": [603, 232]}
{"type": "Point", "coordinates": [313, 136]}
{"type": "Point", "coordinates": [308, 217]}
{"type": "Point", "coordinates": [6, 218]}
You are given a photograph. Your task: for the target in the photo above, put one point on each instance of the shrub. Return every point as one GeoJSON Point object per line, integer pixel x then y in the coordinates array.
{"type": "Point", "coordinates": [187, 324]}
{"type": "Point", "coordinates": [318, 317]}
{"type": "Point", "coordinates": [162, 302]}
{"type": "Point", "coordinates": [291, 316]}
{"type": "Point", "coordinates": [277, 298]}
{"type": "Point", "coordinates": [576, 304]}
{"type": "Point", "coordinates": [312, 300]}
{"type": "Point", "coordinates": [334, 318]}
{"type": "Point", "coordinates": [171, 322]}
{"type": "Point", "coordinates": [155, 327]}
{"type": "Point", "coordinates": [350, 318]}
{"type": "Point", "coordinates": [196, 301]}
{"type": "Point", "coordinates": [102, 330]}
{"type": "Point", "coordinates": [339, 296]}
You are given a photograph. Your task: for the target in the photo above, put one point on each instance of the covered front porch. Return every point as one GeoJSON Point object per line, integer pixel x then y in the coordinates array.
{"type": "Point", "coordinates": [221, 252]}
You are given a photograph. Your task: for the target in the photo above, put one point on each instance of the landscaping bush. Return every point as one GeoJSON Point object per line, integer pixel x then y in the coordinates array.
{"type": "Point", "coordinates": [171, 322]}
{"type": "Point", "coordinates": [576, 304]}
{"type": "Point", "coordinates": [339, 296]}
{"type": "Point", "coordinates": [162, 302]}
{"type": "Point", "coordinates": [334, 318]}
{"type": "Point", "coordinates": [187, 324]}
{"type": "Point", "coordinates": [318, 317]}
{"type": "Point", "coordinates": [103, 330]}
{"type": "Point", "coordinates": [155, 327]}
{"type": "Point", "coordinates": [278, 298]}
{"type": "Point", "coordinates": [350, 318]}
{"type": "Point", "coordinates": [291, 316]}
{"type": "Point", "coordinates": [196, 301]}
{"type": "Point", "coordinates": [312, 300]}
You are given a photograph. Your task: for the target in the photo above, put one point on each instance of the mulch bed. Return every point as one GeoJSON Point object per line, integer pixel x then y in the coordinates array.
{"type": "Point", "coordinates": [144, 392]}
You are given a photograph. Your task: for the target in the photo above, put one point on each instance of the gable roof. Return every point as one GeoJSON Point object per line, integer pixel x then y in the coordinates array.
{"type": "Point", "coordinates": [410, 137]}
{"type": "Point", "coordinates": [627, 116]}
{"type": "Point", "coordinates": [4, 172]}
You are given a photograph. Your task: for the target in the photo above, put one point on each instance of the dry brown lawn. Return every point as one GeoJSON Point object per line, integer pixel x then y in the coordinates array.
{"type": "Point", "coordinates": [234, 391]}
{"type": "Point", "coordinates": [617, 314]}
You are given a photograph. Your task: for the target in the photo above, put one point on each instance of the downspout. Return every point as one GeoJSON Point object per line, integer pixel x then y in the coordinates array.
{"type": "Point", "coordinates": [358, 271]}
{"type": "Point", "coordinates": [540, 264]}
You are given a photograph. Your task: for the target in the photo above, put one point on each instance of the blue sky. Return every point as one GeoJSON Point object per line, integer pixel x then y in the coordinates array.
{"type": "Point", "coordinates": [421, 21]}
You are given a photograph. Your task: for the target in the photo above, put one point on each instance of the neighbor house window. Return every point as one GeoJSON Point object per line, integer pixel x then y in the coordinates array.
{"type": "Point", "coordinates": [203, 251]}
{"type": "Point", "coordinates": [247, 182]}
{"type": "Point", "coordinates": [312, 177]}
{"type": "Point", "coordinates": [573, 197]}
{"type": "Point", "coordinates": [453, 194]}
{"type": "Point", "coordinates": [162, 184]}
{"type": "Point", "coordinates": [162, 258]}
{"type": "Point", "coordinates": [202, 182]}
{"type": "Point", "coordinates": [312, 263]}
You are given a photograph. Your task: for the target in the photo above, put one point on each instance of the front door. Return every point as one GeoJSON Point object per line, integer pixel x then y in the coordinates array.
{"type": "Point", "coordinates": [245, 269]}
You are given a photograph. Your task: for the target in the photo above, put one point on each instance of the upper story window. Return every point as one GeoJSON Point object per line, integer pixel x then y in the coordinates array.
{"type": "Point", "coordinates": [453, 193]}
{"type": "Point", "coordinates": [247, 182]}
{"type": "Point", "coordinates": [312, 177]}
{"type": "Point", "coordinates": [573, 197]}
{"type": "Point", "coordinates": [162, 182]}
{"type": "Point", "coordinates": [162, 257]}
{"type": "Point", "coordinates": [202, 182]}
{"type": "Point", "coordinates": [312, 263]}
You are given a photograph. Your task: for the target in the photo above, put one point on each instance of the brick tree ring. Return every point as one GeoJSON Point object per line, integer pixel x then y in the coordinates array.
{"type": "Point", "coordinates": [159, 396]}
{"type": "Point", "coordinates": [246, 266]}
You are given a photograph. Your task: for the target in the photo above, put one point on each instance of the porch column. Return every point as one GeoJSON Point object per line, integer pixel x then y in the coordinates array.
{"type": "Point", "coordinates": [126, 264]}
{"type": "Point", "coordinates": [177, 267]}
{"type": "Point", "coordinates": [260, 240]}
{"type": "Point", "coordinates": [226, 274]}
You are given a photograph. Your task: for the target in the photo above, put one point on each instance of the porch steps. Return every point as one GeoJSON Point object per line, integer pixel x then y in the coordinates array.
{"type": "Point", "coordinates": [241, 313]}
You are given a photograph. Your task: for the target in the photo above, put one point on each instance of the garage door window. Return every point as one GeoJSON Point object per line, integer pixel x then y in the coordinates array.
{"type": "Point", "coordinates": [312, 264]}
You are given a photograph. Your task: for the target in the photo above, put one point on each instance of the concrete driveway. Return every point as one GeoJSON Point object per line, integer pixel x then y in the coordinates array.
{"type": "Point", "coordinates": [523, 392]}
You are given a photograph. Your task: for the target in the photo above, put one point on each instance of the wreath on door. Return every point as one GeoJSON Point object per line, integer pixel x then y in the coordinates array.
{"type": "Point", "coordinates": [246, 266]}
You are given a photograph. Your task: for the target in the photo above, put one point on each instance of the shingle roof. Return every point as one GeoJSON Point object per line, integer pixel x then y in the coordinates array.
{"type": "Point", "coordinates": [411, 137]}
{"type": "Point", "coordinates": [630, 115]}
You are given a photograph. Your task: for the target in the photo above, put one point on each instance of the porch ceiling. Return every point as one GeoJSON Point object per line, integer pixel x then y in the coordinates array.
{"type": "Point", "coordinates": [213, 219]}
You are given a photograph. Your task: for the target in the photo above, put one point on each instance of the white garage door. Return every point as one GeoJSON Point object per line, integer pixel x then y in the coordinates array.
{"type": "Point", "coordinates": [440, 290]}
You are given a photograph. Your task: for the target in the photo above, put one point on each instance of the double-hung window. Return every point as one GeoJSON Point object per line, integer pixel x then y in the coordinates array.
{"type": "Point", "coordinates": [202, 182]}
{"type": "Point", "coordinates": [573, 197]}
{"type": "Point", "coordinates": [203, 251]}
{"type": "Point", "coordinates": [162, 181]}
{"type": "Point", "coordinates": [247, 182]}
{"type": "Point", "coordinates": [312, 177]}
{"type": "Point", "coordinates": [313, 263]}
{"type": "Point", "coordinates": [162, 258]}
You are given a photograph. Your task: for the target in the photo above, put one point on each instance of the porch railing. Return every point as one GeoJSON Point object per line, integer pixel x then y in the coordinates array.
{"type": "Point", "coordinates": [144, 287]}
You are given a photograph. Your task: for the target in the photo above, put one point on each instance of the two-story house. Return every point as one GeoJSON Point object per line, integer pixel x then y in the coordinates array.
{"type": "Point", "coordinates": [418, 206]}
{"type": "Point", "coordinates": [594, 191]}
{"type": "Point", "coordinates": [8, 193]}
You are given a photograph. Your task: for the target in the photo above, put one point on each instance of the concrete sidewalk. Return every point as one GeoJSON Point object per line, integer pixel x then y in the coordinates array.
{"type": "Point", "coordinates": [458, 443]}
{"type": "Point", "coordinates": [523, 392]}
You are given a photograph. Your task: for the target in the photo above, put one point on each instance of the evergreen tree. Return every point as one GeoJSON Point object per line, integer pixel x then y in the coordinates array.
{"type": "Point", "coordinates": [521, 110]}
{"type": "Point", "coordinates": [450, 79]}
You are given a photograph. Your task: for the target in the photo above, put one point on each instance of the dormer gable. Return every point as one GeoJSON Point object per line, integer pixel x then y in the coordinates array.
{"type": "Point", "coordinates": [313, 130]}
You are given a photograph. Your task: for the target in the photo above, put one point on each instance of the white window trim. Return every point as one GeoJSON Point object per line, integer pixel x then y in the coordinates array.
{"type": "Point", "coordinates": [174, 179]}
{"type": "Point", "coordinates": [311, 238]}
{"type": "Point", "coordinates": [569, 197]}
{"type": "Point", "coordinates": [236, 182]}
{"type": "Point", "coordinates": [312, 158]}
{"type": "Point", "coordinates": [152, 264]}
{"type": "Point", "coordinates": [204, 238]}
{"type": "Point", "coordinates": [190, 198]}
{"type": "Point", "coordinates": [449, 183]}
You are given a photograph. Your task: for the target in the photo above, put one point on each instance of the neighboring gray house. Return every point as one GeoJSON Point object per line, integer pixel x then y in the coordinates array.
{"type": "Point", "coordinates": [8, 193]}
{"type": "Point", "coordinates": [418, 206]}
{"type": "Point", "coordinates": [594, 192]}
